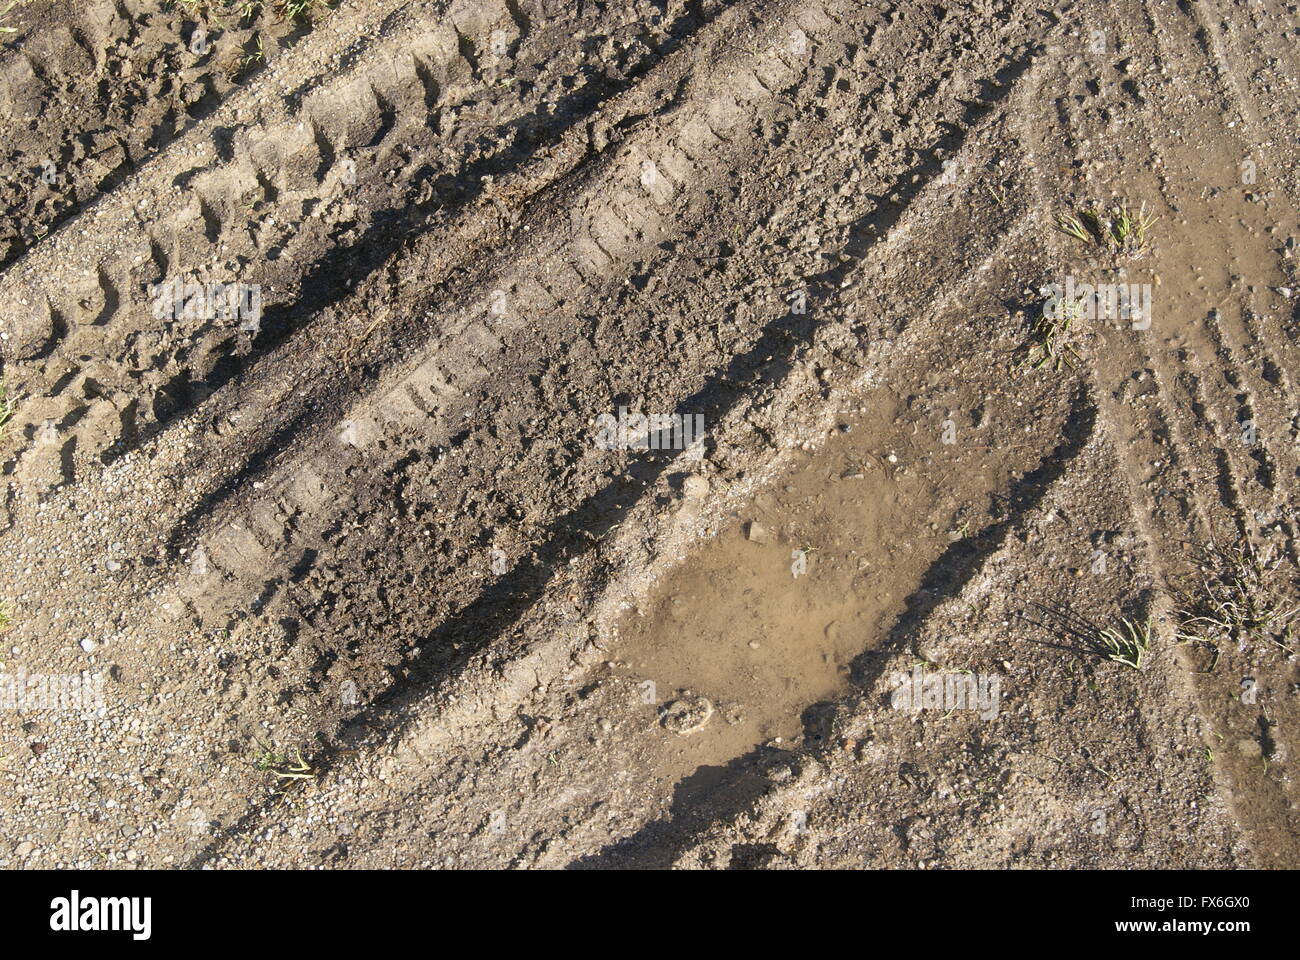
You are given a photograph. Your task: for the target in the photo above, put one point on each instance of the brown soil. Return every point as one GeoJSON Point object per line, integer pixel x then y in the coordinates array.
{"type": "Point", "coordinates": [365, 587]}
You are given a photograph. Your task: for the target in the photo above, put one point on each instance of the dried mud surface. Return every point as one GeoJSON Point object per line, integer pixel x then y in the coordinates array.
{"type": "Point", "coordinates": [357, 583]}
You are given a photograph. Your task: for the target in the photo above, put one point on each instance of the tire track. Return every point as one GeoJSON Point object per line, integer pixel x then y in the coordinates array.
{"type": "Point", "coordinates": [1221, 484]}
{"type": "Point", "coordinates": [346, 132]}
{"type": "Point", "coordinates": [425, 725]}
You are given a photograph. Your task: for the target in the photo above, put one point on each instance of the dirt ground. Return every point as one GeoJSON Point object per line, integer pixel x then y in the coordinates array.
{"type": "Point", "coordinates": [931, 560]}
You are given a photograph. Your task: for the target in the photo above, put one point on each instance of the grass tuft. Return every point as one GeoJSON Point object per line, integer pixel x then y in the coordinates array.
{"type": "Point", "coordinates": [301, 10]}
{"type": "Point", "coordinates": [5, 9]}
{"type": "Point", "coordinates": [1243, 593]}
{"type": "Point", "coordinates": [288, 773]}
{"type": "Point", "coordinates": [1128, 647]}
{"type": "Point", "coordinates": [253, 53]}
{"type": "Point", "coordinates": [1049, 336]}
{"type": "Point", "coordinates": [8, 404]}
{"type": "Point", "coordinates": [1121, 229]}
